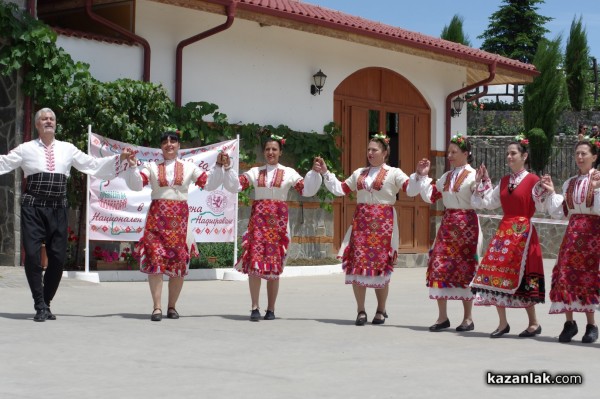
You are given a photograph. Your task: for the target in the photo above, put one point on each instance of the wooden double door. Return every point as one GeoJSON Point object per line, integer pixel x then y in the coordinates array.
{"type": "Point", "coordinates": [407, 126]}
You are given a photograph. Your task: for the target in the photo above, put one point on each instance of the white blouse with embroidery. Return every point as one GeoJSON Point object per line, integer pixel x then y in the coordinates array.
{"type": "Point", "coordinates": [271, 190]}
{"type": "Point", "coordinates": [452, 199]}
{"type": "Point", "coordinates": [191, 174]}
{"type": "Point", "coordinates": [35, 157]}
{"type": "Point", "coordinates": [393, 182]}
{"type": "Point", "coordinates": [554, 202]}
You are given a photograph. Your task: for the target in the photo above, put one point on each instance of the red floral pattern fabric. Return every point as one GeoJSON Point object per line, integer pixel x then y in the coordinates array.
{"type": "Point", "coordinates": [163, 246]}
{"type": "Point", "coordinates": [453, 258]}
{"type": "Point", "coordinates": [575, 276]}
{"type": "Point", "coordinates": [266, 242]}
{"type": "Point", "coordinates": [370, 252]}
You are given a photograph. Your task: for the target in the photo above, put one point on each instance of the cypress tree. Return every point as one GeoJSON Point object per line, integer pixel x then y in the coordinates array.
{"type": "Point", "coordinates": [542, 101]}
{"type": "Point", "coordinates": [576, 65]}
{"type": "Point", "coordinates": [454, 32]}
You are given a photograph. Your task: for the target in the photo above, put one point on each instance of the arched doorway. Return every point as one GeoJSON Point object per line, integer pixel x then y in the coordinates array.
{"type": "Point", "coordinates": [374, 100]}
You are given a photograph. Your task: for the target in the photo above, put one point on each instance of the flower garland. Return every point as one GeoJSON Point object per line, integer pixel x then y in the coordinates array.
{"type": "Point", "coordinates": [522, 140]}
{"type": "Point", "coordinates": [381, 136]}
{"type": "Point", "coordinates": [460, 141]}
{"type": "Point", "coordinates": [593, 141]}
{"type": "Point", "coordinates": [280, 139]}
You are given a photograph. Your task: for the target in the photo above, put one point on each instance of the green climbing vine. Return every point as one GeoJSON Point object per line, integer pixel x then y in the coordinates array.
{"type": "Point", "coordinates": [133, 111]}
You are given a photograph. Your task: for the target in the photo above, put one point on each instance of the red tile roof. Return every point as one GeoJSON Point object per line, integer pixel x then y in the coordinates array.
{"type": "Point", "coordinates": [322, 16]}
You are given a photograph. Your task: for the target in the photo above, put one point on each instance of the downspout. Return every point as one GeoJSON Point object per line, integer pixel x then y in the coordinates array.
{"type": "Point", "coordinates": [230, 11]}
{"type": "Point", "coordinates": [484, 82]}
{"type": "Point", "coordinates": [138, 39]}
{"type": "Point", "coordinates": [28, 103]}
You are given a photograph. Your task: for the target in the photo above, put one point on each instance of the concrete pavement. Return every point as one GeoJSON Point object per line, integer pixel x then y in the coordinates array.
{"type": "Point", "coordinates": [103, 345]}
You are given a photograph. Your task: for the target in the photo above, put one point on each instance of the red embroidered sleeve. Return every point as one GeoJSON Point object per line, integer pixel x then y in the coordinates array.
{"type": "Point", "coordinates": [244, 182]}
{"type": "Point", "coordinates": [435, 194]}
{"type": "Point", "coordinates": [346, 189]}
{"type": "Point", "coordinates": [144, 179]}
{"type": "Point", "coordinates": [405, 185]}
{"type": "Point", "coordinates": [201, 182]}
{"type": "Point", "coordinates": [299, 187]}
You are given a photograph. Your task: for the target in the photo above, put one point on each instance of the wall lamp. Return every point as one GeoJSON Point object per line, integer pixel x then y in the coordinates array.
{"type": "Point", "coordinates": [319, 79]}
{"type": "Point", "coordinates": [457, 106]}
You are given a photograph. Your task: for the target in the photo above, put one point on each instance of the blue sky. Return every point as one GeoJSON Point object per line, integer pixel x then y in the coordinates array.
{"type": "Point", "coordinates": [430, 16]}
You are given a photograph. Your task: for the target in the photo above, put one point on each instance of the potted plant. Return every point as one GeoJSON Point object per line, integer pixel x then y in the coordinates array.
{"type": "Point", "coordinates": [108, 260]}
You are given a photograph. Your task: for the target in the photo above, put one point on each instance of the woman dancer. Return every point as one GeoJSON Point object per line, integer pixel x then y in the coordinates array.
{"type": "Point", "coordinates": [266, 241]}
{"type": "Point", "coordinates": [455, 253]}
{"type": "Point", "coordinates": [369, 249]}
{"type": "Point", "coordinates": [511, 274]}
{"type": "Point", "coordinates": [575, 279]}
{"type": "Point", "coordinates": [168, 243]}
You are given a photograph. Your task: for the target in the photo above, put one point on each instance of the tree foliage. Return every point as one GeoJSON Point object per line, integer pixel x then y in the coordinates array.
{"type": "Point", "coordinates": [543, 101]}
{"type": "Point", "coordinates": [539, 149]}
{"type": "Point", "coordinates": [515, 30]}
{"type": "Point", "coordinates": [576, 65]}
{"type": "Point", "coordinates": [454, 31]}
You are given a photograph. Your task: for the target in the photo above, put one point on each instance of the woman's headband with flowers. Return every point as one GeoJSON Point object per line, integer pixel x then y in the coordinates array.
{"type": "Point", "coordinates": [593, 141]}
{"type": "Point", "coordinates": [381, 136]}
{"type": "Point", "coordinates": [275, 137]}
{"type": "Point", "coordinates": [522, 140]}
{"type": "Point", "coordinates": [460, 141]}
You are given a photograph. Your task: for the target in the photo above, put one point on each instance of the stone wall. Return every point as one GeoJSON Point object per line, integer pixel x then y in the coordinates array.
{"type": "Point", "coordinates": [10, 183]}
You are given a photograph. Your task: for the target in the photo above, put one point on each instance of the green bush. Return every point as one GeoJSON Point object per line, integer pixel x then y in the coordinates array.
{"type": "Point", "coordinates": [223, 251]}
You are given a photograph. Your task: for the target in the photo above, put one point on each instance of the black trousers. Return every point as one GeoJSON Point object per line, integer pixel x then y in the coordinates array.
{"type": "Point", "coordinates": [44, 225]}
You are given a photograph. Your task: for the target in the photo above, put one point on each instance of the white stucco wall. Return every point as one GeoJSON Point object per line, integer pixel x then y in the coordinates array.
{"type": "Point", "coordinates": [108, 61]}
{"type": "Point", "coordinates": [262, 74]}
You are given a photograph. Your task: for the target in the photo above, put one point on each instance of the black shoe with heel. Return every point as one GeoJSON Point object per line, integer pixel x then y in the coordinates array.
{"type": "Point", "coordinates": [172, 313]}
{"type": "Point", "coordinates": [378, 321]}
{"type": "Point", "coordinates": [526, 333]}
{"type": "Point", "coordinates": [568, 332]}
{"type": "Point", "coordinates": [591, 334]}
{"type": "Point", "coordinates": [468, 327]}
{"type": "Point", "coordinates": [361, 318]}
{"type": "Point", "coordinates": [498, 333]}
{"type": "Point", "coordinates": [156, 316]}
{"type": "Point", "coordinates": [440, 326]}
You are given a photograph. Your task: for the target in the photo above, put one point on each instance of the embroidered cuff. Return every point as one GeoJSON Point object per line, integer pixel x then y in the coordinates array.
{"type": "Point", "coordinates": [483, 187]}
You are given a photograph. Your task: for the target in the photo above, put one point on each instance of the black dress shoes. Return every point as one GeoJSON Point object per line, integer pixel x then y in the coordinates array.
{"type": "Point", "coordinates": [255, 315]}
{"type": "Point", "coordinates": [498, 333]}
{"type": "Point", "coordinates": [591, 334]}
{"type": "Point", "coordinates": [361, 318]}
{"type": "Point", "coordinates": [156, 316]}
{"type": "Point", "coordinates": [378, 321]}
{"type": "Point", "coordinates": [526, 333]}
{"type": "Point", "coordinates": [468, 327]}
{"type": "Point", "coordinates": [50, 315]}
{"type": "Point", "coordinates": [440, 326]}
{"type": "Point", "coordinates": [172, 313]}
{"type": "Point", "coordinates": [568, 332]}
{"type": "Point", "coordinates": [269, 315]}
{"type": "Point", "coordinates": [41, 315]}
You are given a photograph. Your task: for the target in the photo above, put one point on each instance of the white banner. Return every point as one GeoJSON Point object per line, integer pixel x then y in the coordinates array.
{"type": "Point", "coordinates": [116, 213]}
